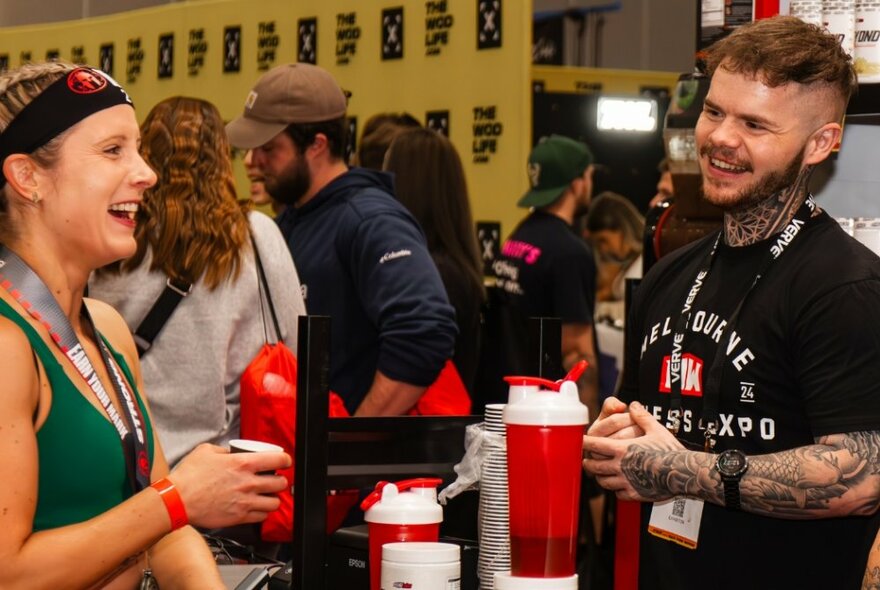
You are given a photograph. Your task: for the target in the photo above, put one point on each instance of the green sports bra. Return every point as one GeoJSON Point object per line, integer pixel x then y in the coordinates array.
{"type": "Point", "coordinates": [82, 469]}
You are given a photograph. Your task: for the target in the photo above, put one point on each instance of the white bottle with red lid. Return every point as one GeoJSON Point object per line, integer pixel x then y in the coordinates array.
{"type": "Point", "coordinates": [534, 400]}
{"type": "Point", "coordinates": [401, 512]}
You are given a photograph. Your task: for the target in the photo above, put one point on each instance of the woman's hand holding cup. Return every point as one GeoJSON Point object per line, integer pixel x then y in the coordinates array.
{"type": "Point", "coordinates": [220, 488]}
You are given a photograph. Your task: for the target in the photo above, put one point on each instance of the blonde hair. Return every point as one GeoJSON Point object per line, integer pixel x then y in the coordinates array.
{"type": "Point", "coordinates": [18, 87]}
{"type": "Point", "coordinates": [612, 211]}
{"type": "Point", "coordinates": [191, 219]}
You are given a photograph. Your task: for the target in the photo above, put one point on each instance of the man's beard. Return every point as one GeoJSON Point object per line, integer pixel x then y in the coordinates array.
{"type": "Point", "coordinates": [582, 205]}
{"type": "Point", "coordinates": [762, 189]}
{"type": "Point", "coordinates": [293, 183]}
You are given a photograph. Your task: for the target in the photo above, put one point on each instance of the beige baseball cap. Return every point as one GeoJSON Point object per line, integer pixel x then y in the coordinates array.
{"type": "Point", "coordinates": [289, 93]}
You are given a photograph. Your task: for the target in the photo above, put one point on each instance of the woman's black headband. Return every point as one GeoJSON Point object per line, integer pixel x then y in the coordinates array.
{"type": "Point", "coordinates": [66, 102]}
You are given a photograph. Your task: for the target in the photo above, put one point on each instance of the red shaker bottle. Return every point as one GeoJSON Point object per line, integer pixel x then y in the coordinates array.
{"type": "Point", "coordinates": [545, 431]}
{"type": "Point", "coordinates": [402, 511]}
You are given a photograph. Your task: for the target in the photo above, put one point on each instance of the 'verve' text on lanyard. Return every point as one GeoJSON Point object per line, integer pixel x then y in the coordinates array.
{"type": "Point", "coordinates": [712, 388]}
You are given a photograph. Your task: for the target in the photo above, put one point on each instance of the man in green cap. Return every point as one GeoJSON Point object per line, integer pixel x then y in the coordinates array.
{"type": "Point", "coordinates": [545, 267]}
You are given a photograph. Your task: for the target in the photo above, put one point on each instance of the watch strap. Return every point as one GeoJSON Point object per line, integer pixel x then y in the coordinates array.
{"type": "Point", "coordinates": [731, 492]}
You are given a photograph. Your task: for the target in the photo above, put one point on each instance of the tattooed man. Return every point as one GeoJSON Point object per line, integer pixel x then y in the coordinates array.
{"type": "Point", "coordinates": [748, 423]}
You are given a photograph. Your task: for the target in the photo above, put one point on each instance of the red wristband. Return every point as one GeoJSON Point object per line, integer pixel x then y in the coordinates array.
{"type": "Point", "coordinates": [173, 502]}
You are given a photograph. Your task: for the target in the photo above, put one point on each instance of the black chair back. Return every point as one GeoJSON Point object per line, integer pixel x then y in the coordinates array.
{"type": "Point", "coordinates": [344, 453]}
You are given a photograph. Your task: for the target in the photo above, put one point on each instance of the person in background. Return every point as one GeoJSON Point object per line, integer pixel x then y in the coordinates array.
{"type": "Point", "coordinates": [548, 270]}
{"type": "Point", "coordinates": [259, 196]}
{"type": "Point", "coordinates": [665, 189]}
{"type": "Point", "coordinates": [429, 180]}
{"type": "Point", "coordinates": [615, 229]}
{"type": "Point", "coordinates": [193, 231]}
{"type": "Point", "coordinates": [748, 423]}
{"type": "Point", "coordinates": [87, 498]}
{"type": "Point", "coordinates": [378, 133]}
{"type": "Point", "coordinates": [361, 255]}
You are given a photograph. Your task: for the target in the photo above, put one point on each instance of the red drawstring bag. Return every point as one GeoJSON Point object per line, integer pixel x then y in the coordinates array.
{"type": "Point", "coordinates": [268, 413]}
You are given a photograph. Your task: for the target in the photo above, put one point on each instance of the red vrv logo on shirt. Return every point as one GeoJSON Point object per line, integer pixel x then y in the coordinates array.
{"type": "Point", "coordinates": [691, 375]}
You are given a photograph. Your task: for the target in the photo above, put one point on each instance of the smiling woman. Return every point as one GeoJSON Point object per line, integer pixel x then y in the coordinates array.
{"type": "Point", "coordinates": [82, 467]}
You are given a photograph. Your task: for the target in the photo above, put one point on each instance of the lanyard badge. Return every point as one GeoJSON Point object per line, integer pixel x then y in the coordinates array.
{"type": "Point", "coordinates": [712, 387]}
{"type": "Point", "coordinates": [678, 519]}
{"type": "Point", "coordinates": [29, 290]}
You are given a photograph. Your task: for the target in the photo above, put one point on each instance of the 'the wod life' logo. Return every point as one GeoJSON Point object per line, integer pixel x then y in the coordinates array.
{"type": "Point", "coordinates": [106, 58]}
{"type": "Point", "coordinates": [438, 121]}
{"type": "Point", "coordinates": [392, 33]}
{"type": "Point", "coordinates": [232, 49]}
{"type": "Point", "coordinates": [489, 24]}
{"type": "Point", "coordinates": [85, 81]}
{"type": "Point", "coordinates": [166, 55]}
{"type": "Point", "coordinates": [351, 139]}
{"type": "Point", "coordinates": [487, 131]}
{"type": "Point", "coordinates": [307, 41]}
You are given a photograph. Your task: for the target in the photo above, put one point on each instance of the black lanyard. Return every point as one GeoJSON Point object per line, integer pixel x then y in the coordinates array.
{"type": "Point", "coordinates": [29, 290]}
{"type": "Point", "coordinates": [712, 386]}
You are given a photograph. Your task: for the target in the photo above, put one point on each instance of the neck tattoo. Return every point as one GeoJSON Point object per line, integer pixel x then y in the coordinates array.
{"type": "Point", "coordinates": [765, 218]}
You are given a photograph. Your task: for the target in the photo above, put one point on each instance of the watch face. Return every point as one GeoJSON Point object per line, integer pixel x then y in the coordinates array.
{"type": "Point", "coordinates": [732, 463]}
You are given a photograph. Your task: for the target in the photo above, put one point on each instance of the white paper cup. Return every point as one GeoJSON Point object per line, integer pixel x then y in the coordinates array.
{"type": "Point", "coordinates": [243, 445]}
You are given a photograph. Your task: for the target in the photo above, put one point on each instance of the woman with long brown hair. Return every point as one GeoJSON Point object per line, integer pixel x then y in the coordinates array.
{"type": "Point", "coordinates": [192, 230]}
{"type": "Point", "coordinates": [429, 180]}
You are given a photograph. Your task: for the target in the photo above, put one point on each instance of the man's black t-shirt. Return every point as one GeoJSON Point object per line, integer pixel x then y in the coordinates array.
{"type": "Point", "coordinates": [548, 270]}
{"type": "Point", "coordinates": [804, 362]}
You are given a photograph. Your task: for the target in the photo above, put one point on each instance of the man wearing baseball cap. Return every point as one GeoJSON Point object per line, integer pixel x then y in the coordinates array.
{"type": "Point", "coordinates": [362, 258]}
{"type": "Point", "coordinates": [549, 270]}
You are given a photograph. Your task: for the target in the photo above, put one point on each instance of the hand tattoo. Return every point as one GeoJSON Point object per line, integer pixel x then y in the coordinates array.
{"type": "Point", "coordinates": [657, 472]}
{"type": "Point", "coordinates": [871, 580]}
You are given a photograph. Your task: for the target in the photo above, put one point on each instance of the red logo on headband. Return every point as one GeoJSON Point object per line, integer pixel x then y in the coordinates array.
{"type": "Point", "coordinates": [85, 81]}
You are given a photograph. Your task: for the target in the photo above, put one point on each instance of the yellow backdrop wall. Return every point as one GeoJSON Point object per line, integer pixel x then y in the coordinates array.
{"type": "Point", "coordinates": [466, 62]}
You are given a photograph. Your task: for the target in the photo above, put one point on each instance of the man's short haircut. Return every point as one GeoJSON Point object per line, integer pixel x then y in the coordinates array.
{"type": "Point", "coordinates": [785, 49]}
{"type": "Point", "coordinates": [336, 131]}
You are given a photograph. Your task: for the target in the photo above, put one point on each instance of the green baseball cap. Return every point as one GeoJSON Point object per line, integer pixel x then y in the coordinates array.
{"type": "Point", "coordinates": [554, 162]}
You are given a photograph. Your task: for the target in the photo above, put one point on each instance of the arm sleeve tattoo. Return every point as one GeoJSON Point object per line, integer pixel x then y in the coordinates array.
{"type": "Point", "coordinates": [838, 475]}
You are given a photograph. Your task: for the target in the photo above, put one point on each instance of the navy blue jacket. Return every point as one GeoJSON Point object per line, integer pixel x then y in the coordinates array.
{"type": "Point", "coordinates": [363, 260]}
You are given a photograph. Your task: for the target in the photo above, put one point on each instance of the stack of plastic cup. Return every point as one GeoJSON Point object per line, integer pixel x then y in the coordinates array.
{"type": "Point", "coordinates": [493, 532]}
